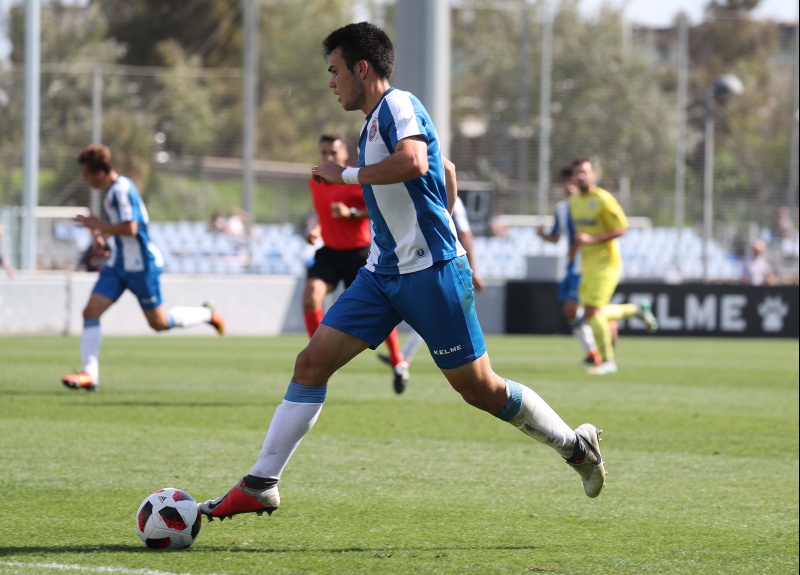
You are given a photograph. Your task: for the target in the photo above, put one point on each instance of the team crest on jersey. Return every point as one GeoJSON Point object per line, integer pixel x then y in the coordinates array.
{"type": "Point", "coordinates": [373, 129]}
{"type": "Point", "coordinates": [420, 252]}
{"type": "Point", "coordinates": [592, 204]}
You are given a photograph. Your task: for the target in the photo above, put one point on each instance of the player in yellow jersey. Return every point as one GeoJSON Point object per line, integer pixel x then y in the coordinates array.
{"type": "Point", "coordinates": [599, 221]}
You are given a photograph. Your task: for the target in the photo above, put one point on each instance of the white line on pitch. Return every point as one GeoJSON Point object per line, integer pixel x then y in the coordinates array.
{"type": "Point", "coordinates": [87, 569]}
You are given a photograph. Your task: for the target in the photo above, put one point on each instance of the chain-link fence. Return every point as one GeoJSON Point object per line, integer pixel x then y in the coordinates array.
{"type": "Point", "coordinates": [633, 99]}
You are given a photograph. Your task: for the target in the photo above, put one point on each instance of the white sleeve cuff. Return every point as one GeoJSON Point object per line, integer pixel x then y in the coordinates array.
{"type": "Point", "coordinates": [350, 175]}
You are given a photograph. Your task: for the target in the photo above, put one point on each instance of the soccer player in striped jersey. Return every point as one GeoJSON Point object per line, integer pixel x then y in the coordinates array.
{"type": "Point", "coordinates": [135, 264]}
{"type": "Point", "coordinates": [417, 271]}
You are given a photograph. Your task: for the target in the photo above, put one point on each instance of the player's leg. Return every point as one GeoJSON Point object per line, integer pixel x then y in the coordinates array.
{"type": "Point", "coordinates": [573, 312]}
{"type": "Point", "coordinates": [110, 285]}
{"type": "Point", "coordinates": [595, 293]}
{"type": "Point", "coordinates": [411, 345]}
{"type": "Point", "coordinates": [146, 286]}
{"type": "Point", "coordinates": [356, 321]}
{"type": "Point", "coordinates": [641, 310]}
{"type": "Point", "coordinates": [314, 293]}
{"type": "Point", "coordinates": [459, 350]}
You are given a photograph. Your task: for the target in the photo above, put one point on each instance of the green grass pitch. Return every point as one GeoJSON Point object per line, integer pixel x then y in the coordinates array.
{"type": "Point", "coordinates": [701, 445]}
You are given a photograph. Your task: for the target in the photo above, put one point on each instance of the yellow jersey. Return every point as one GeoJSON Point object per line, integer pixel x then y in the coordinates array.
{"type": "Point", "coordinates": [594, 213]}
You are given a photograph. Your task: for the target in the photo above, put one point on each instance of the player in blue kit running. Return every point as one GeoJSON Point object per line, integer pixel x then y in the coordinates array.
{"type": "Point", "coordinates": [135, 264]}
{"type": "Point", "coordinates": [416, 271]}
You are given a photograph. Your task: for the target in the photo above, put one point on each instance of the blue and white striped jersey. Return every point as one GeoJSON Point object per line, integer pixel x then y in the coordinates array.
{"type": "Point", "coordinates": [123, 203]}
{"type": "Point", "coordinates": [411, 227]}
{"type": "Point", "coordinates": [563, 226]}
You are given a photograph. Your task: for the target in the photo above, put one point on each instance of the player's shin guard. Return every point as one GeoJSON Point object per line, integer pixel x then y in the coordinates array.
{"type": "Point", "coordinates": [529, 413]}
{"type": "Point", "coordinates": [293, 418]}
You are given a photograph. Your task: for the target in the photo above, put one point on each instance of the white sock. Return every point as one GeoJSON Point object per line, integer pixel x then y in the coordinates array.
{"type": "Point", "coordinates": [291, 422]}
{"type": "Point", "coordinates": [538, 420]}
{"type": "Point", "coordinates": [411, 345]}
{"type": "Point", "coordinates": [585, 336]}
{"type": "Point", "coordinates": [184, 316]}
{"type": "Point", "coordinates": [91, 338]}
{"type": "Point", "coordinates": [583, 332]}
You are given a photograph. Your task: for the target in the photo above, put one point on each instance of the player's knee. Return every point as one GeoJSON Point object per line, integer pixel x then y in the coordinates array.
{"type": "Point", "coordinates": [306, 370]}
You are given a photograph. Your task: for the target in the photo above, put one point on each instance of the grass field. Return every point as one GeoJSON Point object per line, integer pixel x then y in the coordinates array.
{"type": "Point", "coordinates": [701, 444]}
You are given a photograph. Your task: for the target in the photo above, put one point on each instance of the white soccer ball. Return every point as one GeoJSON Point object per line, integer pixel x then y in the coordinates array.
{"type": "Point", "coordinates": [168, 519]}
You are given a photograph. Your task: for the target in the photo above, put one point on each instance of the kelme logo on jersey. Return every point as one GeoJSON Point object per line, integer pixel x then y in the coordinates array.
{"type": "Point", "coordinates": [420, 252]}
{"type": "Point", "coordinates": [373, 129]}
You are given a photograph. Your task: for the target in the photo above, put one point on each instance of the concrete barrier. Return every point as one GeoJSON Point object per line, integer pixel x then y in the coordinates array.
{"type": "Point", "coordinates": [51, 303]}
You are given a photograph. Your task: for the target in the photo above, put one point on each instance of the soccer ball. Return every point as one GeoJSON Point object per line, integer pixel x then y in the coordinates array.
{"type": "Point", "coordinates": [168, 519]}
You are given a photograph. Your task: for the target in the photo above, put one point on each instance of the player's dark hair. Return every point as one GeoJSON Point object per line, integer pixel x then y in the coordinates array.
{"type": "Point", "coordinates": [96, 158]}
{"type": "Point", "coordinates": [331, 138]}
{"type": "Point", "coordinates": [362, 41]}
{"type": "Point", "coordinates": [581, 160]}
{"type": "Point", "coordinates": [566, 173]}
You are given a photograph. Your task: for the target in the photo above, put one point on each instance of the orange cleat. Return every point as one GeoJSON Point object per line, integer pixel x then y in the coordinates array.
{"type": "Point", "coordinates": [216, 320]}
{"type": "Point", "coordinates": [80, 380]}
{"type": "Point", "coordinates": [593, 358]}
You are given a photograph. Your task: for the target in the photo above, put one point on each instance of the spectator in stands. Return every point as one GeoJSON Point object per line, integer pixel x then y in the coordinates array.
{"type": "Point", "coordinates": [498, 226]}
{"type": "Point", "coordinates": [756, 270]}
{"type": "Point", "coordinates": [599, 221]}
{"type": "Point", "coordinates": [4, 262]}
{"type": "Point", "coordinates": [568, 288]}
{"type": "Point", "coordinates": [135, 264]}
{"type": "Point", "coordinates": [96, 255]}
{"type": "Point", "coordinates": [217, 223]}
{"type": "Point", "coordinates": [343, 225]}
{"type": "Point", "coordinates": [783, 229]}
{"type": "Point", "coordinates": [236, 226]}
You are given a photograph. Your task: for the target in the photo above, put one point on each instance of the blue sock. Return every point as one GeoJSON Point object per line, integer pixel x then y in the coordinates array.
{"type": "Point", "coordinates": [298, 393]}
{"type": "Point", "coordinates": [512, 407]}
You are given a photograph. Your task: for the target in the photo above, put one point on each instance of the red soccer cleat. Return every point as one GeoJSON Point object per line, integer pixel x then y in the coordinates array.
{"type": "Point", "coordinates": [242, 499]}
{"type": "Point", "coordinates": [80, 380]}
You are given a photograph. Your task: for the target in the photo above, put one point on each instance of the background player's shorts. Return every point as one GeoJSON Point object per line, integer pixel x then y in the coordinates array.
{"type": "Point", "coordinates": [146, 286]}
{"type": "Point", "coordinates": [568, 288]}
{"type": "Point", "coordinates": [597, 287]}
{"type": "Point", "coordinates": [438, 302]}
{"type": "Point", "coordinates": [333, 266]}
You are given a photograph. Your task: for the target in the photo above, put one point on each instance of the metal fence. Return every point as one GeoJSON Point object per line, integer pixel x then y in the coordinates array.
{"type": "Point", "coordinates": [633, 99]}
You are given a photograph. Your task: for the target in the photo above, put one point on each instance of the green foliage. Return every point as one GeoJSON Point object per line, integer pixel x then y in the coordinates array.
{"type": "Point", "coordinates": [701, 444]}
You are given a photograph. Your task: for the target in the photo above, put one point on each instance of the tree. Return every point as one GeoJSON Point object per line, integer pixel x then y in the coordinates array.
{"type": "Point", "coordinates": [210, 29]}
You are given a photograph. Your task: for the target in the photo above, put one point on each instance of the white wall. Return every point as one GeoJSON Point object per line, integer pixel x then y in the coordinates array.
{"type": "Point", "coordinates": [252, 305]}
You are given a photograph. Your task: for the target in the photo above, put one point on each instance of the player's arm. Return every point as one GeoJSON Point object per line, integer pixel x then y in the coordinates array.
{"type": "Point", "coordinates": [552, 238]}
{"type": "Point", "coordinates": [130, 228]}
{"type": "Point", "coordinates": [466, 240]}
{"type": "Point", "coordinates": [409, 161]}
{"type": "Point", "coordinates": [451, 185]}
{"type": "Point", "coordinates": [584, 239]}
{"type": "Point", "coordinates": [341, 210]}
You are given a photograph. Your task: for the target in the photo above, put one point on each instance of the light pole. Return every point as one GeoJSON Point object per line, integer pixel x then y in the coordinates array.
{"type": "Point", "coordinates": [723, 88]}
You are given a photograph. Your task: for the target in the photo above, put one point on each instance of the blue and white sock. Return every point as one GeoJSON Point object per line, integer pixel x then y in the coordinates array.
{"type": "Point", "coordinates": [293, 418]}
{"type": "Point", "coordinates": [529, 413]}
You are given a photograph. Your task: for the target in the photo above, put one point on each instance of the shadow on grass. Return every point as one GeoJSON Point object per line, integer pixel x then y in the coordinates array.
{"type": "Point", "coordinates": [164, 404]}
{"type": "Point", "coordinates": [55, 549]}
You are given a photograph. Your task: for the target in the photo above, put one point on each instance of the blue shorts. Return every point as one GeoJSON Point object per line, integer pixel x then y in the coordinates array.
{"type": "Point", "coordinates": [146, 286]}
{"type": "Point", "coordinates": [438, 302]}
{"type": "Point", "coordinates": [568, 288]}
